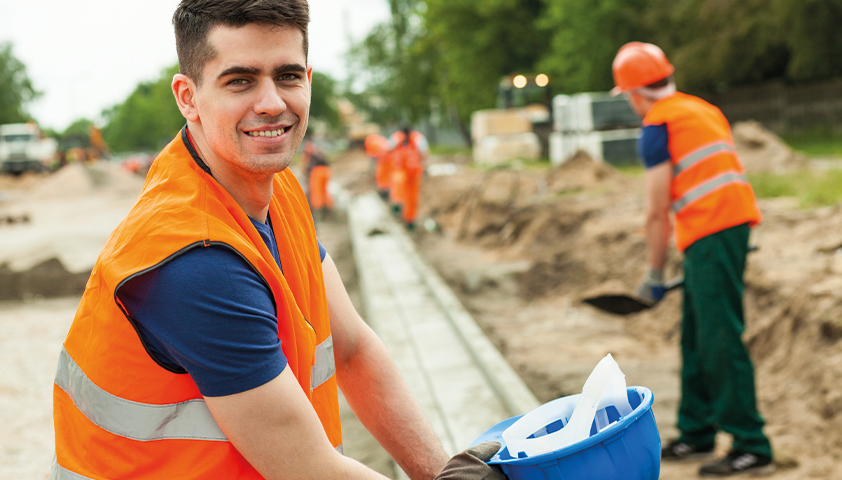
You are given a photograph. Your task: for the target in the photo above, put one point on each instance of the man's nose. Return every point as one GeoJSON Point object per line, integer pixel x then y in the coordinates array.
{"type": "Point", "coordinates": [269, 100]}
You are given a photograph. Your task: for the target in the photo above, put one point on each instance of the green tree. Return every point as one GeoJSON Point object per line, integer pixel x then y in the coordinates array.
{"type": "Point", "coordinates": [147, 119]}
{"type": "Point", "coordinates": [480, 42]}
{"type": "Point", "coordinates": [586, 35]}
{"type": "Point", "coordinates": [16, 90]}
{"type": "Point", "coordinates": [323, 100]}
{"type": "Point", "coordinates": [811, 33]}
{"type": "Point", "coordinates": [397, 66]}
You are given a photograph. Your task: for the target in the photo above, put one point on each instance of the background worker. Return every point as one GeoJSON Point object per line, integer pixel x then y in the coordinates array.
{"type": "Point", "coordinates": [307, 164]}
{"type": "Point", "coordinates": [377, 147]}
{"type": "Point", "coordinates": [408, 149]}
{"type": "Point", "coordinates": [320, 198]}
{"type": "Point", "coordinates": [692, 169]}
{"type": "Point", "coordinates": [214, 329]}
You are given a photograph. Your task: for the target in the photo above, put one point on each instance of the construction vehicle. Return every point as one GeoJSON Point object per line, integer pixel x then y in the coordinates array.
{"type": "Point", "coordinates": [23, 147]}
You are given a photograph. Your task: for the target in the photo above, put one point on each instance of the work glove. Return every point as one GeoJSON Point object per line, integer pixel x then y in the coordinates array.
{"type": "Point", "coordinates": [651, 289]}
{"type": "Point", "coordinates": [470, 464]}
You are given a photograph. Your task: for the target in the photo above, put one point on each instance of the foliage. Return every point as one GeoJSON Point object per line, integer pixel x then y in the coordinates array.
{"type": "Point", "coordinates": [819, 142]}
{"type": "Point", "coordinates": [452, 53]}
{"type": "Point", "coordinates": [480, 42]}
{"type": "Point", "coordinates": [147, 119]}
{"type": "Point", "coordinates": [586, 35]}
{"type": "Point", "coordinates": [16, 90]}
{"type": "Point", "coordinates": [323, 100]}
{"type": "Point", "coordinates": [397, 65]}
{"type": "Point", "coordinates": [79, 128]}
{"type": "Point", "coordinates": [812, 189]}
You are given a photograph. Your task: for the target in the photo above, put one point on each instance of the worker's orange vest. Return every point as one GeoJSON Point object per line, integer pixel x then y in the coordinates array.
{"type": "Point", "coordinates": [710, 192]}
{"type": "Point", "coordinates": [118, 414]}
{"type": "Point", "coordinates": [406, 156]}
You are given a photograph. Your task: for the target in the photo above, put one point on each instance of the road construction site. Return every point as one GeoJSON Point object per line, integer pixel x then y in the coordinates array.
{"type": "Point", "coordinates": [481, 307]}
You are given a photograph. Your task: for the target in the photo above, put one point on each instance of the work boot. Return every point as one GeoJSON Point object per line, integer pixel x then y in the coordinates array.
{"type": "Point", "coordinates": [410, 226]}
{"type": "Point", "coordinates": [678, 451]}
{"type": "Point", "coordinates": [736, 463]}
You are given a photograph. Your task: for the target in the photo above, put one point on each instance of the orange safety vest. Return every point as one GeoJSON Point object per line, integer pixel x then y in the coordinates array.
{"type": "Point", "coordinates": [119, 414]}
{"type": "Point", "coordinates": [319, 195]}
{"type": "Point", "coordinates": [710, 192]}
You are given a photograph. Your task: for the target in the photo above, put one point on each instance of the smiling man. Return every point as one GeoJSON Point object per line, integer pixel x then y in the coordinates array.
{"type": "Point", "coordinates": [215, 329]}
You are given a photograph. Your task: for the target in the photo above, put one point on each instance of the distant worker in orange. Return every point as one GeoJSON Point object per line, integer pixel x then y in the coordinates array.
{"type": "Point", "coordinates": [408, 149]}
{"type": "Point", "coordinates": [306, 161]}
{"type": "Point", "coordinates": [377, 147]}
{"type": "Point", "coordinates": [693, 170]}
{"type": "Point", "coordinates": [320, 198]}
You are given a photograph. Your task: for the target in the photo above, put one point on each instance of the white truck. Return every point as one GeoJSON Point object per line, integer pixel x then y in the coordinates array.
{"type": "Point", "coordinates": [24, 148]}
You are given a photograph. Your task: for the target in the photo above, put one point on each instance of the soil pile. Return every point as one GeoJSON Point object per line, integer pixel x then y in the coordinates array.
{"type": "Point", "coordinates": [580, 172]}
{"type": "Point", "coordinates": [762, 151]}
{"type": "Point", "coordinates": [77, 180]}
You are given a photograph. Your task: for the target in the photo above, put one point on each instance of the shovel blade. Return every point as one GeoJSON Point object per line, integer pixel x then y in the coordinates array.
{"type": "Point", "coordinates": [617, 304]}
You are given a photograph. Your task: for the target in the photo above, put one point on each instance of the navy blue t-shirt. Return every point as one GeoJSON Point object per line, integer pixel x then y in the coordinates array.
{"type": "Point", "coordinates": [207, 312]}
{"type": "Point", "coordinates": [653, 146]}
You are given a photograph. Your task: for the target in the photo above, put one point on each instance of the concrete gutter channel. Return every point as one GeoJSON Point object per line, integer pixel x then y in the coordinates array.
{"type": "Point", "coordinates": [460, 379]}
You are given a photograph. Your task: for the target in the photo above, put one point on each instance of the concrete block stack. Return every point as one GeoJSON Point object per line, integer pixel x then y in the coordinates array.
{"type": "Point", "coordinates": [503, 135]}
{"type": "Point", "coordinates": [603, 126]}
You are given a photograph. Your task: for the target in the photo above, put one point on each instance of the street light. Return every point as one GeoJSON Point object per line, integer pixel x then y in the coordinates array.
{"type": "Point", "coordinates": [542, 80]}
{"type": "Point", "coordinates": [519, 81]}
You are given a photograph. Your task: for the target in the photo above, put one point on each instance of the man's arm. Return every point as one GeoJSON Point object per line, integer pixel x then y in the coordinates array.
{"type": "Point", "coordinates": [658, 199]}
{"type": "Point", "coordinates": [374, 388]}
{"type": "Point", "coordinates": [276, 429]}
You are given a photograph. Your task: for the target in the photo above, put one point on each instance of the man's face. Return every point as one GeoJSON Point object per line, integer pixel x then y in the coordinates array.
{"type": "Point", "coordinates": [637, 103]}
{"type": "Point", "coordinates": [254, 99]}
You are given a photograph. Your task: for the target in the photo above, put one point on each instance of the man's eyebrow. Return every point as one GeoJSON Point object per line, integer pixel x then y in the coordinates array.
{"type": "Point", "coordinates": [238, 70]}
{"type": "Point", "coordinates": [289, 68]}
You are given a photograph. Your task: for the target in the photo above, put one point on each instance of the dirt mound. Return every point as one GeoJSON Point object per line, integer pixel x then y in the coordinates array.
{"type": "Point", "coordinates": [762, 151]}
{"type": "Point", "coordinates": [48, 279]}
{"type": "Point", "coordinates": [20, 182]}
{"type": "Point", "coordinates": [77, 180]}
{"type": "Point", "coordinates": [579, 172]}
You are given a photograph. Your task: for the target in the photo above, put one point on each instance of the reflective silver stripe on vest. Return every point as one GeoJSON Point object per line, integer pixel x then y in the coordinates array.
{"type": "Point", "coordinates": [137, 421]}
{"type": "Point", "coordinates": [700, 154]}
{"type": "Point", "coordinates": [339, 449]}
{"type": "Point", "coordinates": [706, 188]}
{"type": "Point", "coordinates": [324, 366]}
{"type": "Point", "coordinates": [57, 472]}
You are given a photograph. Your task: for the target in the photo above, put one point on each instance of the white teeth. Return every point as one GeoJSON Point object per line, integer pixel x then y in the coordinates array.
{"type": "Point", "coordinates": [266, 133]}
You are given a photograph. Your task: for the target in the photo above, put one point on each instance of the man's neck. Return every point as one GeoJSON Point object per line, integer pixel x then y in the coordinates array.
{"type": "Point", "coordinates": [253, 193]}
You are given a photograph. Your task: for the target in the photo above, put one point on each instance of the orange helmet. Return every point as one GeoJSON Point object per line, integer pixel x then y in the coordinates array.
{"type": "Point", "coordinates": [376, 145]}
{"type": "Point", "coordinates": [638, 64]}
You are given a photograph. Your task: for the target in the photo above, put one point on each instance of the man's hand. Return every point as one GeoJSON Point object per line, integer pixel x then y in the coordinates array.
{"type": "Point", "coordinates": [651, 289]}
{"type": "Point", "coordinates": [470, 464]}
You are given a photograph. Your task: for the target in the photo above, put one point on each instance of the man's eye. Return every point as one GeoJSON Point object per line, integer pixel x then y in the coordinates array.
{"type": "Point", "coordinates": [238, 81]}
{"type": "Point", "coordinates": [288, 77]}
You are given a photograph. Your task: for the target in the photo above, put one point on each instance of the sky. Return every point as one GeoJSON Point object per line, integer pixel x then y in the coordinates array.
{"type": "Point", "coordinates": [87, 55]}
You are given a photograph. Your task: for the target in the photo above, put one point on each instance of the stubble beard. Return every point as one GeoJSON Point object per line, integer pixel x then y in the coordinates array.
{"type": "Point", "coordinates": [270, 162]}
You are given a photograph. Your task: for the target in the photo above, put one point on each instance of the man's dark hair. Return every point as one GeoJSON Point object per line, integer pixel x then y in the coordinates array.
{"type": "Point", "coordinates": [194, 19]}
{"type": "Point", "coordinates": [660, 83]}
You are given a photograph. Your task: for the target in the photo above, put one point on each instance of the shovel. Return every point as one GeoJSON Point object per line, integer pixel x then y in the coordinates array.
{"type": "Point", "coordinates": [626, 304]}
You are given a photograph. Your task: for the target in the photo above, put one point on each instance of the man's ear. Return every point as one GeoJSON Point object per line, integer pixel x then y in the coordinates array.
{"type": "Point", "coordinates": [184, 90]}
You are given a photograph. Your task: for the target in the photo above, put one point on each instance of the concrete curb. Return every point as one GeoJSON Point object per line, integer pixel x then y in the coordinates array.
{"type": "Point", "coordinates": [459, 378]}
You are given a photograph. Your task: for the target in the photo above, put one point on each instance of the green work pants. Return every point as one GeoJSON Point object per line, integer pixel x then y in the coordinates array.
{"type": "Point", "coordinates": [717, 377]}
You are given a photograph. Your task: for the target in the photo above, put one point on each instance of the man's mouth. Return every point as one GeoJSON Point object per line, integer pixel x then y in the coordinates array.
{"type": "Point", "coordinates": [268, 133]}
